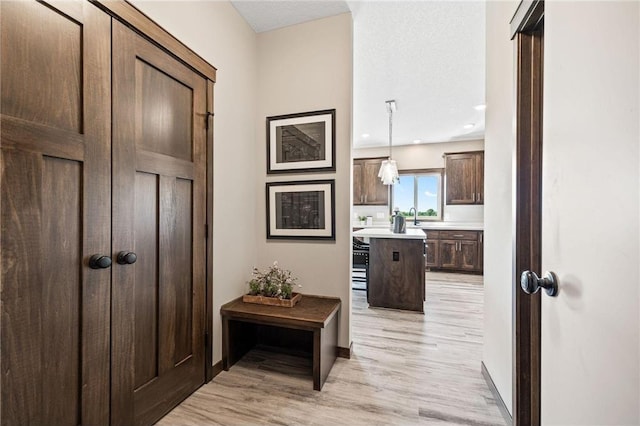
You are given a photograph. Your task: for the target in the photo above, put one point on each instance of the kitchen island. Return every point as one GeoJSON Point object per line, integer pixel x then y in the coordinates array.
{"type": "Point", "coordinates": [396, 268]}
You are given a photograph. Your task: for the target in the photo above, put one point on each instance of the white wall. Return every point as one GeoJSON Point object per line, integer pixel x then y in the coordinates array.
{"type": "Point", "coordinates": [591, 210]}
{"type": "Point", "coordinates": [591, 331]}
{"type": "Point", "coordinates": [498, 197]}
{"type": "Point", "coordinates": [220, 35]}
{"type": "Point", "coordinates": [423, 156]}
{"type": "Point", "coordinates": [308, 67]}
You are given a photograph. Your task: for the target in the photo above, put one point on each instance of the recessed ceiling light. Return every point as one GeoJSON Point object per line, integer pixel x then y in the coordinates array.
{"type": "Point", "coordinates": [416, 141]}
{"type": "Point", "coordinates": [365, 135]}
{"type": "Point", "coordinates": [469, 126]}
{"type": "Point", "coordinates": [480, 107]}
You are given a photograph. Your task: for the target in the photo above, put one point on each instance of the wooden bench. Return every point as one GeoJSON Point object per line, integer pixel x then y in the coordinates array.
{"type": "Point", "coordinates": [311, 325]}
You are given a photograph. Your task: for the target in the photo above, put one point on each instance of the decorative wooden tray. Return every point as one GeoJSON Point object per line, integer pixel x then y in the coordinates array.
{"type": "Point", "coordinates": [273, 301]}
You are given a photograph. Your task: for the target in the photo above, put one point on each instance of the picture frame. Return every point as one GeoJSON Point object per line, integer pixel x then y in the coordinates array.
{"type": "Point", "coordinates": [303, 142]}
{"type": "Point", "coordinates": [301, 210]}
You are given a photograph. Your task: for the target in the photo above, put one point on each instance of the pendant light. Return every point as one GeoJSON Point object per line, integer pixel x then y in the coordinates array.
{"type": "Point", "coordinates": [388, 173]}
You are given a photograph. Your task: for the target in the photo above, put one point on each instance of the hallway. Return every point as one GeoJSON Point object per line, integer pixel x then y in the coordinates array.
{"type": "Point", "coordinates": [406, 369]}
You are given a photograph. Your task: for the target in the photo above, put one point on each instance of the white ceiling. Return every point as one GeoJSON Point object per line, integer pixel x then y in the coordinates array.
{"type": "Point", "coordinates": [266, 15]}
{"type": "Point", "coordinates": [426, 55]}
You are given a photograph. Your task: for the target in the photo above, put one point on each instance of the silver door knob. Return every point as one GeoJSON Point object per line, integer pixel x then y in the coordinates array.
{"type": "Point", "coordinates": [531, 283]}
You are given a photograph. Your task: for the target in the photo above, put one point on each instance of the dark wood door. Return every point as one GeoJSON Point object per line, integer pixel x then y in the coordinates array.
{"type": "Point", "coordinates": [448, 254]}
{"type": "Point", "coordinates": [468, 255]}
{"type": "Point", "coordinates": [461, 178]}
{"type": "Point", "coordinates": [480, 178]}
{"type": "Point", "coordinates": [159, 194]}
{"type": "Point", "coordinates": [358, 196]}
{"type": "Point", "coordinates": [375, 193]}
{"type": "Point", "coordinates": [55, 213]}
{"type": "Point", "coordinates": [432, 255]}
{"type": "Point", "coordinates": [481, 250]}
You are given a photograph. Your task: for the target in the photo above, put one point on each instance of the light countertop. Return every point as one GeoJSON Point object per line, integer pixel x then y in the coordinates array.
{"type": "Point", "coordinates": [412, 233]}
{"type": "Point", "coordinates": [433, 226]}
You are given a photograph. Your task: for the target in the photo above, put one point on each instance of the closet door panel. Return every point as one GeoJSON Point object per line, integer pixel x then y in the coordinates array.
{"type": "Point", "coordinates": [146, 277]}
{"type": "Point", "coordinates": [182, 270]}
{"type": "Point", "coordinates": [41, 39]}
{"type": "Point", "coordinates": [21, 282]}
{"type": "Point", "coordinates": [177, 274]}
{"type": "Point", "coordinates": [61, 289]}
{"type": "Point", "coordinates": [159, 145]}
{"type": "Point", "coordinates": [165, 109]}
{"type": "Point", "coordinates": [55, 197]}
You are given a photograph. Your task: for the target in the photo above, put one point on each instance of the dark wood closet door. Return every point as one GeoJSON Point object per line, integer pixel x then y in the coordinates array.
{"type": "Point", "coordinates": [55, 213]}
{"type": "Point", "coordinates": [159, 195]}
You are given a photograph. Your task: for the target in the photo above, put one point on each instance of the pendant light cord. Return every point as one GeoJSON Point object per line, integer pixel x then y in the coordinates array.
{"type": "Point", "coordinates": [390, 129]}
{"type": "Point", "coordinates": [388, 169]}
{"type": "Point", "coordinates": [390, 108]}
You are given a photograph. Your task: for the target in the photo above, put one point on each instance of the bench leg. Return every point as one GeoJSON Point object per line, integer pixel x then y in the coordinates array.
{"type": "Point", "coordinates": [317, 358]}
{"type": "Point", "coordinates": [238, 337]}
{"type": "Point", "coordinates": [325, 347]}
{"type": "Point", "coordinates": [225, 344]}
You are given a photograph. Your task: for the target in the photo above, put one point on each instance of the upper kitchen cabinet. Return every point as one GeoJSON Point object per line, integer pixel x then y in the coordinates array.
{"type": "Point", "coordinates": [465, 177]}
{"type": "Point", "coordinates": [368, 190]}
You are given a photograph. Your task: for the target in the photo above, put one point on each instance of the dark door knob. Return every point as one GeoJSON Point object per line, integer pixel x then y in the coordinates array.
{"type": "Point", "coordinates": [126, 258]}
{"type": "Point", "coordinates": [531, 283]}
{"type": "Point", "coordinates": [99, 261]}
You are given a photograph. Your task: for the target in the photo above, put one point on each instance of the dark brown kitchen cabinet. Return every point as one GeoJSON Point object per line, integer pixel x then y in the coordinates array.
{"type": "Point", "coordinates": [432, 256]}
{"type": "Point", "coordinates": [368, 190]}
{"type": "Point", "coordinates": [464, 176]}
{"type": "Point", "coordinates": [468, 255]}
{"type": "Point", "coordinates": [103, 155]}
{"type": "Point", "coordinates": [480, 177]}
{"type": "Point", "coordinates": [432, 249]}
{"type": "Point", "coordinates": [459, 255]}
{"type": "Point", "coordinates": [454, 250]}
{"type": "Point", "coordinates": [448, 254]}
{"type": "Point", "coordinates": [459, 250]}
{"type": "Point", "coordinates": [480, 250]}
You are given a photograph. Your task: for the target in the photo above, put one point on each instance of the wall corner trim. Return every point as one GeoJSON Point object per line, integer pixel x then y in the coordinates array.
{"type": "Point", "coordinates": [344, 352]}
{"type": "Point", "coordinates": [496, 395]}
{"type": "Point", "coordinates": [215, 370]}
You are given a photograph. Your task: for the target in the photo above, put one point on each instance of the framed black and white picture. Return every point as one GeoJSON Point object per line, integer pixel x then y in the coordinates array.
{"type": "Point", "coordinates": [303, 142]}
{"type": "Point", "coordinates": [301, 210]}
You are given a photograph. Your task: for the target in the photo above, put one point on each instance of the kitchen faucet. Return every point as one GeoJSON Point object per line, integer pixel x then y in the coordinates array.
{"type": "Point", "coordinates": [415, 215]}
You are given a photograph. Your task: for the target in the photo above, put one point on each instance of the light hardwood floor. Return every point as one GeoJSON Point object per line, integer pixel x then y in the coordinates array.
{"type": "Point", "coordinates": [406, 369]}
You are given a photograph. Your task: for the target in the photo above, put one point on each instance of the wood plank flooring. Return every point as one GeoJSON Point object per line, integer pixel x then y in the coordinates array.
{"type": "Point", "coordinates": [406, 369]}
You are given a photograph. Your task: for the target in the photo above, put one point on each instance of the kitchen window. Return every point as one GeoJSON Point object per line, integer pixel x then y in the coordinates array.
{"type": "Point", "coordinates": [421, 189]}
